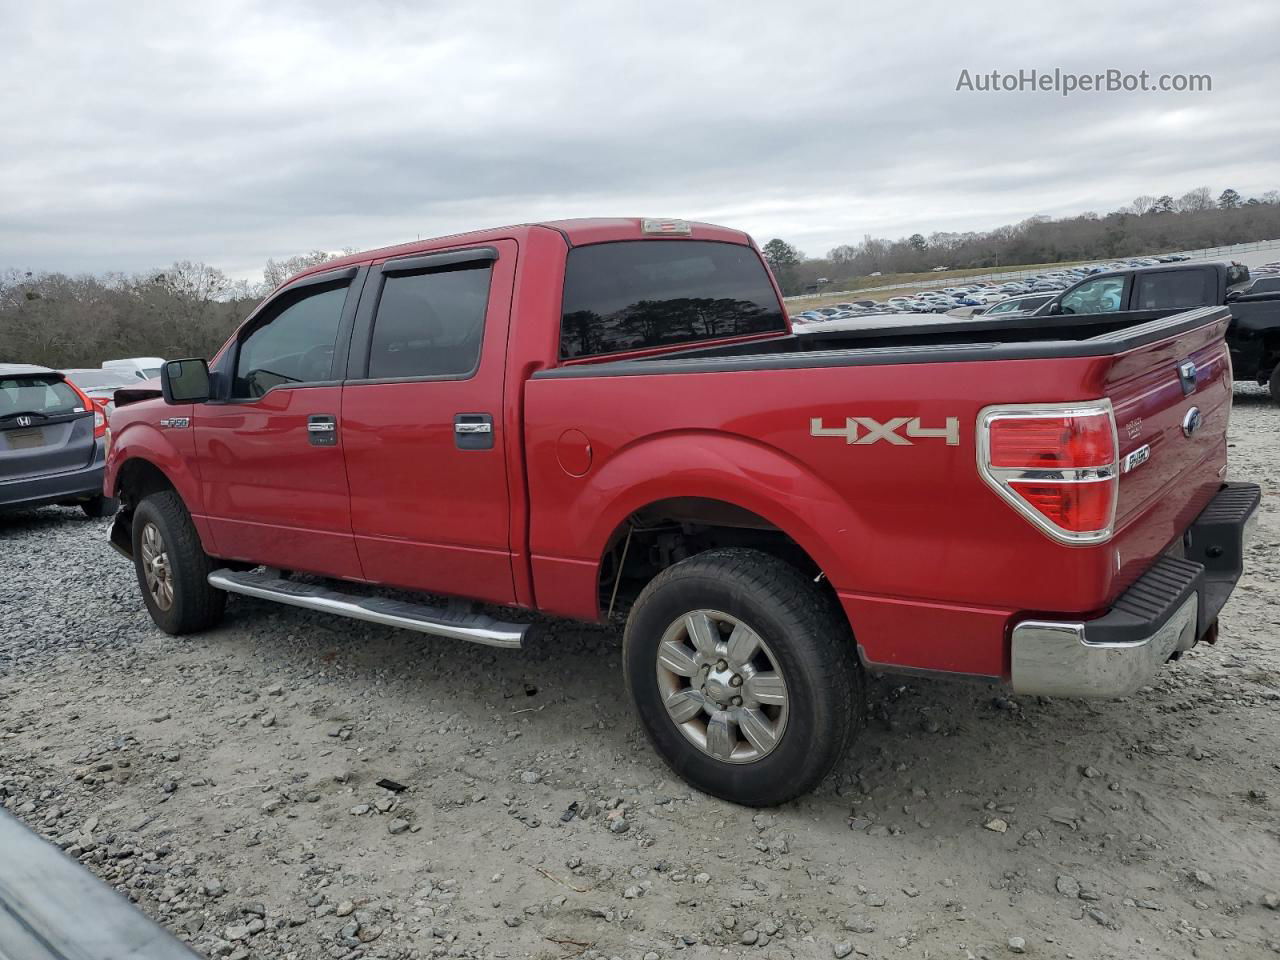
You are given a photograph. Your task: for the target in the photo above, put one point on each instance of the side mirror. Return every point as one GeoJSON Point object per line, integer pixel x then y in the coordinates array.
{"type": "Point", "coordinates": [185, 381]}
{"type": "Point", "coordinates": [1055, 308]}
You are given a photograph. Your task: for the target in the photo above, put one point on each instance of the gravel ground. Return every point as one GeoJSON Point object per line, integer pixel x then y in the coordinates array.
{"type": "Point", "coordinates": [235, 785]}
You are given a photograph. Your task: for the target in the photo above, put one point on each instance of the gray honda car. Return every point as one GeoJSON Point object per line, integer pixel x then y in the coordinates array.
{"type": "Point", "coordinates": [52, 442]}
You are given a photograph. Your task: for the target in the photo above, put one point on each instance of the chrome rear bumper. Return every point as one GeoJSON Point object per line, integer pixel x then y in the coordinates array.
{"type": "Point", "coordinates": [1169, 608]}
{"type": "Point", "coordinates": [1058, 659]}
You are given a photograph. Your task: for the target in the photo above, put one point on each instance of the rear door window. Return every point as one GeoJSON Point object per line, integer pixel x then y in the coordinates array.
{"type": "Point", "coordinates": [655, 293]}
{"type": "Point", "coordinates": [1174, 289]}
{"type": "Point", "coordinates": [41, 396]}
{"type": "Point", "coordinates": [430, 323]}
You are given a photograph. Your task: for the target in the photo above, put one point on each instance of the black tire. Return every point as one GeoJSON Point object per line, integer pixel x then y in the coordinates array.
{"type": "Point", "coordinates": [99, 508]}
{"type": "Point", "coordinates": [1273, 384]}
{"type": "Point", "coordinates": [806, 635]}
{"type": "Point", "coordinates": [194, 605]}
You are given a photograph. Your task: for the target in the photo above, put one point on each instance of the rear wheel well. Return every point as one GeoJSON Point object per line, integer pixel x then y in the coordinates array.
{"type": "Point", "coordinates": [664, 533]}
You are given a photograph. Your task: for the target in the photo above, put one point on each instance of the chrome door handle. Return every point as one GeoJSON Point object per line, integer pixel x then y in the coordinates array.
{"type": "Point", "coordinates": [473, 431]}
{"type": "Point", "coordinates": [322, 430]}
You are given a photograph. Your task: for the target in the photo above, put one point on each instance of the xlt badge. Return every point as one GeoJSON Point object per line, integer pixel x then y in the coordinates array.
{"type": "Point", "coordinates": [865, 430]}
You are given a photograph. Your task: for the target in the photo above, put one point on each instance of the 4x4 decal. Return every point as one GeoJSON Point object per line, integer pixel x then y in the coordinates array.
{"type": "Point", "coordinates": [874, 430]}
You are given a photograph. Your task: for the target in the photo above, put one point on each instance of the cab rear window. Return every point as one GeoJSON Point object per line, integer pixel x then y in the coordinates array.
{"type": "Point", "coordinates": [44, 395]}
{"type": "Point", "coordinates": [655, 293]}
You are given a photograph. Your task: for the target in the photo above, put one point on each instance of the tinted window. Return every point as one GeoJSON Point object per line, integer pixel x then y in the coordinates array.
{"type": "Point", "coordinates": [1182, 288]}
{"type": "Point", "coordinates": [47, 396]}
{"type": "Point", "coordinates": [430, 324]}
{"type": "Point", "coordinates": [294, 344]}
{"type": "Point", "coordinates": [651, 293]}
{"type": "Point", "coordinates": [1104, 295]}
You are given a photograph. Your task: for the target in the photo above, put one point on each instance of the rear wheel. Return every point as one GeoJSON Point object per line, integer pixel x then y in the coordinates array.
{"type": "Point", "coordinates": [1274, 384]}
{"type": "Point", "coordinates": [99, 508]}
{"type": "Point", "coordinates": [173, 568]}
{"type": "Point", "coordinates": [744, 675]}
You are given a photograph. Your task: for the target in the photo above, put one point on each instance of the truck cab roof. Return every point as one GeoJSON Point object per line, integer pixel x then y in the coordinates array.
{"type": "Point", "coordinates": [576, 232]}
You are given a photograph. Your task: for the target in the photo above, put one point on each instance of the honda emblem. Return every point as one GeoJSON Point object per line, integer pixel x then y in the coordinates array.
{"type": "Point", "coordinates": [24, 421]}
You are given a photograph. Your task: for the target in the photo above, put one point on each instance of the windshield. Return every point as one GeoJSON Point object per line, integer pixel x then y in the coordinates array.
{"type": "Point", "coordinates": [652, 293]}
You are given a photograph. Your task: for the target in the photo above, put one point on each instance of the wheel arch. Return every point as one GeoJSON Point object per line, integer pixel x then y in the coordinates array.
{"type": "Point", "coordinates": [141, 473]}
{"type": "Point", "coordinates": [723, 483]}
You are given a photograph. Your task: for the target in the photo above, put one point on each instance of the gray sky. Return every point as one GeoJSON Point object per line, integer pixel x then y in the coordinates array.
{"type": "Point", "coordinates": [135, 134]}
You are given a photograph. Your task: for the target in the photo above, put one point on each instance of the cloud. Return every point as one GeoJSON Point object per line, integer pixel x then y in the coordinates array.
{"type": "Point", "coordinates": [136, 134]}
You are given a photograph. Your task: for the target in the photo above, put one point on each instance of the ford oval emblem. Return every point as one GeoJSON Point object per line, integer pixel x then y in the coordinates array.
{"type": "Point", "coordinates": [1191, 422]}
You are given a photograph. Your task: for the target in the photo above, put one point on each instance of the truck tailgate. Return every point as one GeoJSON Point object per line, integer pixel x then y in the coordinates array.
{"type": "Point", "coordinates": [1172, 401]}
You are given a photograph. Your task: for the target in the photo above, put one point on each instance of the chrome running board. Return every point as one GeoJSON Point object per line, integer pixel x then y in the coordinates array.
{"type": "Point", "coordinates": [438, 621]}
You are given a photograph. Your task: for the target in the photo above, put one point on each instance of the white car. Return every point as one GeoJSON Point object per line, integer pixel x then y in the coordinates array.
{"type": "Point", "coordinates": [141, 368]}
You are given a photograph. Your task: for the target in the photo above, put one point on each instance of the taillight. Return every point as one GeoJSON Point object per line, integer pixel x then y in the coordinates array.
{"type": "Point", "coordinates": [1056, 464]}
{"type": "Point", "coordinates": [99, 414]}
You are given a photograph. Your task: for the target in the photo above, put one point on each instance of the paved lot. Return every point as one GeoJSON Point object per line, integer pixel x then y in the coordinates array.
{"type": "Point", "coordinates": [229, 784]}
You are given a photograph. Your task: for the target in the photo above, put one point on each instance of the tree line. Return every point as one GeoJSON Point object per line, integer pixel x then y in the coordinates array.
{"type": "Point", "coordinates": [1150, 224]}
{"type": "Point", "coordinates": [189, 309]}
{"type": "Point", "coordinates": [185, 310]}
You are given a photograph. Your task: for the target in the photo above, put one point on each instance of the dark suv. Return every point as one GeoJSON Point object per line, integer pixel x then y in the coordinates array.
{"type": "Point", "coordinates": [52, 442]}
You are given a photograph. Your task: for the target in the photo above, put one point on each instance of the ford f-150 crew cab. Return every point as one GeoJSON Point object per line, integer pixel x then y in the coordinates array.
{"type": "Point", "coordinates": [611, 419]}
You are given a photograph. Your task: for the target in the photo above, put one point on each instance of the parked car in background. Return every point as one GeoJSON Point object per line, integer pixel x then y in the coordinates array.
{"type": "Point", "coordinates": [1144, 293]}
{"type": "Point", "coordinates": [140, 368]}
{"type": "Point", "coordinates": [1263, 284]}
{"type": "Point", "coordinates": [52, 442]}
{"type": "Point", "coordinates": [1027, 305]}
{"type": "Point", "coordinates": [100, 385]}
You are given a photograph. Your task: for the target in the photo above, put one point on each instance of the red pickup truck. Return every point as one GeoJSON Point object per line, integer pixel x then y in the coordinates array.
{"type": "Point", "coordinates": [610, 419]}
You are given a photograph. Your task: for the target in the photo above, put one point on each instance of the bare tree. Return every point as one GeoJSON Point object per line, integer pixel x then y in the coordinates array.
{"type": "Point", "coordinates": [1194, 201]}
{"type": "Point", "coordinates": [1143, 205]}
{"type": "Point", "coordinates": [277, 272]}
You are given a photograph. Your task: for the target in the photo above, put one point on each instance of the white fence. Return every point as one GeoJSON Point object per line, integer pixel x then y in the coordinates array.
{"type": "Point", "coordinates": [1206, 253]}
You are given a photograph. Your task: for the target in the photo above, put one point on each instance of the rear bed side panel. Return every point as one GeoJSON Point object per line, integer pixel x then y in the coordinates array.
{"type": "Point", "coordinates": [930, 563]}
{"type": "Point", "coordinates": [885, 520]}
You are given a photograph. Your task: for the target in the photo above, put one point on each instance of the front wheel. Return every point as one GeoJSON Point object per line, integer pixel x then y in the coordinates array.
{"type": "Point", "coordinates": [744, 675]}
{"type": "Point", "coordinates": [172, 567]}
{"type": "Point", "coordinates": [1274, 384]}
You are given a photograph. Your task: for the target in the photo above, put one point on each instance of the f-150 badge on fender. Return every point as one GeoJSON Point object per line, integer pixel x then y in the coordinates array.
{"type": "Point", "coordinates": [865, 430]}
